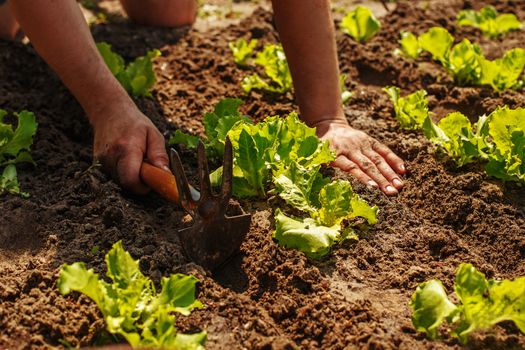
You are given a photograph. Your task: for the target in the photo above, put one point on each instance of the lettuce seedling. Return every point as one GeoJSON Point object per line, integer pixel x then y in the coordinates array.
{"type": "Point", "coordinates": [489, 21]}
{"type": "Point", "coordinates": [217, 124]}
{"type": "Point", "coordinates": [467, 64]}
{"type": "Point", "coordinates": [138, 77]}
{"type": "Point", "coordinates": [279, 79]}
{"type": "Point", "coordinates": [460, 61]}
{"type": "Point", "coordinates": [482, 304]}
{"type": "Point", "coordinates": [14, 149]}
{"type": "Point", "coordinates": [409, 44]}
{"type": "Point", "coordinates": [275, 142]}
{"type": "Point", "coordinates": [130, 304]}
{"type": "Point", "coordinates": [437, 41]}
{"type": "Point", "coordinates": [360, 24]}
{"type": "Point", "coordinates": [506, 131]}
{"type": "Point", "coordinates": [345, 94]}
{"type": "Point", "coordinates": [455, 135]}
{"type": "Point", "coordinates": [327, 204]}
{"type": "Point", "coordinates": [411, 110]}
{"type": "Point", "coordinates": [503, 73]}
{"type": "Point", "coordinates": [242, 50]}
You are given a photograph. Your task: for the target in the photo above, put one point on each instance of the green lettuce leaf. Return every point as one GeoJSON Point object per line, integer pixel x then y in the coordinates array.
{"type": "Point", "coordinates": [506, 128]}
{"type": "Point", "coordinates": [299, 187]}
{"type": "Point", "coordinates": [14, 149]}
{"type": "Point", "coordinates": [463, 63]}
{"type": "Point", "coordinates": [411, 110]}
{"type": "Point", "coordinates": [438, 42]}
{"type": "Point", "coordinates": [273, 60]}
{"type": "Point", "coordinates": [431, 307]}
{"type": "Point", "coordinates": [130, 304]}
{"type": "Point", "coordinates": [482, 304]}
{"type": "Point", "coordinates": [270, 145]}
{"type": "Point", "coordinates": [503, 73]}
{"type": "Point", "coordinates": [217, 124]}
{"type": "Point", "coordinates": [409, 44]}
{"type": "Point", "coordinates": [345, 94]}
{"type": "Point", "coordinates": [489, 21]}
{"type": "Point", "coordinates": [138, 77]}
{"type": "Point", "coordinates": [9, 182]}
{"type": "Point", "coordinates": [455, 135]}
{"type": "Point", "coordinates": [360, 24]}
{"type": "Point", "coordinates": [305, 235]}
{"type": "Point", "coordinates": [180, 138]}
{"type": "Point", "coordinates": [242, 50]}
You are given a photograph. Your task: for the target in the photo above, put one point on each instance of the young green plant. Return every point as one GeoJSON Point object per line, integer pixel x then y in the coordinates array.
{"type": "Point", "coordinates": [489, 21]}
{"type": "Point", "coordinates": [465, 62]}
{"type": "Point", "coordinates": [14, 149]}
{"type": "Point", "coordinates": [130, 304]}
{"type": "Point", "coordinates": [137, 77]}
{"type": "Point", "coordinates": [242, 50]}
{"type": "Point", "coordinates": [481, 304]}
{"type": "Point", "coordinates": [411, 110]}
{"type": "Point", "coordinates": [360, 24]}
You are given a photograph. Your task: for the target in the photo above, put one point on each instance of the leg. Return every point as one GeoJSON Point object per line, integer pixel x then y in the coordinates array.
{"type": "Point", "coordinates": [162, 13]}
{"type": "Point", "coordinates": [8, 24]}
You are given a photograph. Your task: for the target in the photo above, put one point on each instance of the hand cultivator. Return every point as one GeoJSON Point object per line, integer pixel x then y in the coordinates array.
{"type": "Point", "coordinates": [213, 237]}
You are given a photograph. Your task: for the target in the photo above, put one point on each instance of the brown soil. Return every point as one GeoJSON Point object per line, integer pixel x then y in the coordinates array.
{"type": "Point", "coordinates": [267, 297]}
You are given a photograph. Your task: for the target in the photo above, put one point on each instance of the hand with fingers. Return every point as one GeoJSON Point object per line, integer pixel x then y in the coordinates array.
{"type": "Point", "coordinates": [367, 159]}
{"type": "Point", "coordinates": [122, 140]}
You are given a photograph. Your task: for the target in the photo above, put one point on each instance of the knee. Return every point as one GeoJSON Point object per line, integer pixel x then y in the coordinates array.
{"type": "Point", "coordinates": [162, 13]}
{"type": "Point", "coordinates": [8, 25]}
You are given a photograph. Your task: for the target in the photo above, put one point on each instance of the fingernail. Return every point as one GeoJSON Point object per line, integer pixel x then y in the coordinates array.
{"type": "Point", "coordinates": [397, 183]}
{"type": "Point", "coordinates": [390, 190]}
{"type": "Point", "coordinates": [402, 167]}
{"type": "Point", "coordinates": [165, 167]}
{"type": "Point", "coordinates": [372, 183]}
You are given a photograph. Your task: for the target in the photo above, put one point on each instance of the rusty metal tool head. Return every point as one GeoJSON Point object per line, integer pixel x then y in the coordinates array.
{"type": "Point", "coordinates": [213, 236]}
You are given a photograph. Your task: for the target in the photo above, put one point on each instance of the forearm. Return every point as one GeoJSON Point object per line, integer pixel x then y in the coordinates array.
{"type": "Point", "coordinates": [307, 33]}
{"type": "Point", "coordinates": [61, 36]}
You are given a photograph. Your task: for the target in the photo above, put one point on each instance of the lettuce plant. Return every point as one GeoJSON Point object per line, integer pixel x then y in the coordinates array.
{"type": "Point", "coordinates": [273, 61]}
{"type": "Point", "coordinates": [465, 62]}
{"type": "Point", "coordinates": [506, 139]}
{"type": "Point", "coordinates": [259, 149]}
{"type": "Point", "coordinates": [489, 21]}
{"type": "Point", "coordinates": [217, 124]}
{"type": "Point", "coordinates": [455, 134]}
{"type": "Point", "coordinates": [411, 110]}
{"type": "Point", "coordinates": [130, 304]}
{"type": "Point", "coordinates": [327, 204]}
{"type": "Point", "coordinates": [287, 154]}
{"type": "Point", "coordinates": [409, 44]}
{"type": "Point", "coordinates": [360, 24]}
{"type": "Point", "coordinates": [283, 156]}
{"type": "Point", "coordinates": [503, 73]}
{"type": "Point", "coordinates": [242, 50]}
{"type": "Point", "coordinates": [278, 78]}
{"type": "Point", "coordinates": [481, 304]}
{"type": "Point", "coordinates": [137, 77]}
{"type": "Point", "coordinates": [497, 139]}
{"type": "Point", "coordinates": [14, 149]}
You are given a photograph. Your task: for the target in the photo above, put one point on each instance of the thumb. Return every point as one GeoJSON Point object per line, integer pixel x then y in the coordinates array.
{"type": "Point", "coordinates": [156, 149]}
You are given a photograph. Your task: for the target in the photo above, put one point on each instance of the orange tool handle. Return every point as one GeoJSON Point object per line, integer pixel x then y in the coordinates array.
{"type": "Point", "coordinates": [161, 181]}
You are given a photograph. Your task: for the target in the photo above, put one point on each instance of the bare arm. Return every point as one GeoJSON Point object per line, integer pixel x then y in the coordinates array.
{"type": "Point", "coordinates": [308, 37]}
{"type": "Point", "coordinates": [123, 135]}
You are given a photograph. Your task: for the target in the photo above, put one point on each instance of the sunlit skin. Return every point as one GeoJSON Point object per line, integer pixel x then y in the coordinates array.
{"type": "Point", "coordinates": [123, 136]}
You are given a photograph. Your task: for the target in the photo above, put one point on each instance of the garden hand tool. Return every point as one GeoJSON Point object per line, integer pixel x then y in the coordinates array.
{"type": "Point", "coordinates": [213, 237]}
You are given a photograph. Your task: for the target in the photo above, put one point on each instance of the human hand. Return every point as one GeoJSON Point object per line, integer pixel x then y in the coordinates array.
{"type": "Point", "coordinates": [123, 138]}
{"type": "Point", "coordinates": [364, 157]}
